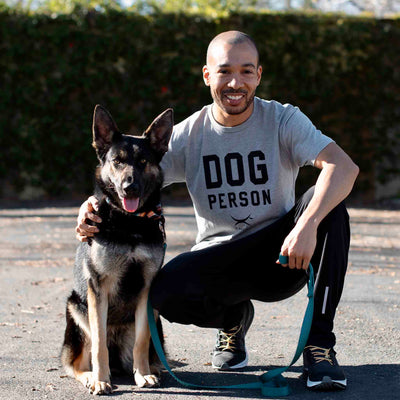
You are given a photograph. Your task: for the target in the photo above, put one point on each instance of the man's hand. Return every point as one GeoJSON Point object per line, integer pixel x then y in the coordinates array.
{"type": "Point", "coordinates": [299, 246]}
{"type": "Point", "coordinates": [83, 229]}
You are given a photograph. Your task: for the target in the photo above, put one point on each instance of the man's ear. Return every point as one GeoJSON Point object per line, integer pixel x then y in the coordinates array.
{"type": "Point", "coordinates": [104, 131]}
{"type": "Point", "coordinates": [206, 75]}
{"type": "Point", "coordinates": [259, 73]}
{"type": "Point", "coordinates": [159, 132]}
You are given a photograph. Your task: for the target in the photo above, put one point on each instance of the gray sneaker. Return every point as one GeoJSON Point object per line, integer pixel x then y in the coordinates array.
{"type": "Point", "coordinates": [230, 350]}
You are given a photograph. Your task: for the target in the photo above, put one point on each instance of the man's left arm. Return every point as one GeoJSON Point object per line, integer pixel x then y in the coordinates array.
{"type": "Point", "coordinates": [334, 184]}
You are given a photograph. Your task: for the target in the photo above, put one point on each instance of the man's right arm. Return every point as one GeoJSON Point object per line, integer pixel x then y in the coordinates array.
{"type": "Point", "coordinates": [83, 230]}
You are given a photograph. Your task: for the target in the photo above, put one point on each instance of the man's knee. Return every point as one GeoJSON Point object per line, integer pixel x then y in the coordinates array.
{"type": "Point", "coordinates": [339, 215]}
{"type": "Point", "coordinates": [156, 294]}
{"type": "Point", "coordinates": [164, 290]}
{"type": "Point", "coordinates": [174, 286]}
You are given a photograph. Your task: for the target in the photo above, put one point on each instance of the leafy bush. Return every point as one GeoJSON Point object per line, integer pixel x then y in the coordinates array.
{"type": "Point", "coordinates": [343, 72]}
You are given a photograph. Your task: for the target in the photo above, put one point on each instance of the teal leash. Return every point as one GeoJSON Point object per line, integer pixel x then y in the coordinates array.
{"type": "Point", "coordinates": [271, 383]}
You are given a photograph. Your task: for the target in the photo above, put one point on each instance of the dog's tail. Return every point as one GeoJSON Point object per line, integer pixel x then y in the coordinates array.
{"type": "Point", "coordinates": [74, 352]}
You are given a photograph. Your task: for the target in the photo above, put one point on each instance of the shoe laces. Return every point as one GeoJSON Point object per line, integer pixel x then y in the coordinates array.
{"type": "Point", "coordinates": [320, 354]}
{"type": "Point", "coordinates": [226, 340]}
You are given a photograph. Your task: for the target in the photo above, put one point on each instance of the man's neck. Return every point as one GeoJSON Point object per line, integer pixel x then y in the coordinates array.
{"type": "Point", "coordinates": [230, 120]}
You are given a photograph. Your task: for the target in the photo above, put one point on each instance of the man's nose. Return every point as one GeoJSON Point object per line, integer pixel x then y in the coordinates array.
{"type": "Point", "coordinates": [235, 82]}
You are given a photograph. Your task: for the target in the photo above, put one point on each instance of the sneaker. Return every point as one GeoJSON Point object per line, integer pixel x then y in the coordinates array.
{"type": "Point", "coordinates": [322, 369]}
{"type": "Point", "coordinates": [230, 350]}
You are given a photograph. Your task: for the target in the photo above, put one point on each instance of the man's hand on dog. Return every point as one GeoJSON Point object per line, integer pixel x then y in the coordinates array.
{"type": "Point", "coordinates": [83, 230]}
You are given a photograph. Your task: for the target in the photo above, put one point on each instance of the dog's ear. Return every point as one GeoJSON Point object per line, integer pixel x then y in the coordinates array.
{"type": "Point", "coordinates": [159, 131]}
{"type": "Point", "coordinates": [104, 131]}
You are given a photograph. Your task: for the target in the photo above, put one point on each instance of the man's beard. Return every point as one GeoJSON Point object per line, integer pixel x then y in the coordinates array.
{"type": "Point", "coordinates": [232, 110]}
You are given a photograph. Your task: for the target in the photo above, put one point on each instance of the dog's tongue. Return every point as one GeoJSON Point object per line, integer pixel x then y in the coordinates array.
{"type": "Point", "coordinates": [131, 204]}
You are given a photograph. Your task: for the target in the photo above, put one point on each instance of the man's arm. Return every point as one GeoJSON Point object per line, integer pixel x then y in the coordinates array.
{"type": "Point", "coordinates": [334, 184]}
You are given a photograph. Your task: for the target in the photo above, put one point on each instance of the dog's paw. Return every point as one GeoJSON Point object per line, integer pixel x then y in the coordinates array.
{"type": "Point", "coordinates": [146, 380]}
{"type": "Point", "coordinates": [85, 378]}
{"type": "Point", "coordinates": [95, 386]}
{"type": "Point", "coordinates": [99, 387]}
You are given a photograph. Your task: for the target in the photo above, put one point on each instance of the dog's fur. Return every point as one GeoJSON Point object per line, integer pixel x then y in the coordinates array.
{"type": "Point", "coordinates": [107, 326]}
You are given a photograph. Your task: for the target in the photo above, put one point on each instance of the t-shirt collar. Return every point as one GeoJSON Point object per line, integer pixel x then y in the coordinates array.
{"type": "Point", "coordinates": [234, 129]}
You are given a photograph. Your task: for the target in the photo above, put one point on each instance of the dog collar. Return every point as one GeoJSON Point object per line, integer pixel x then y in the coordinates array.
{"type": "Point", "coordinates": [156, 214]}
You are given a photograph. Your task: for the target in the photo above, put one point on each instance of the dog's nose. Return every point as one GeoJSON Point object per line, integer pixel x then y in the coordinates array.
{"type": "Point", "coordinates": [130, 187]}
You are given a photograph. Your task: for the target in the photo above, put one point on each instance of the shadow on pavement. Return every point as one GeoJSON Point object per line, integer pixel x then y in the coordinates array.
{"type": "Point", "coordinates": [367, 382]}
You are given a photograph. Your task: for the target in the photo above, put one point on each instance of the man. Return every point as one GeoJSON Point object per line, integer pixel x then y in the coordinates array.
{"type": "Point", "coordinates": [240, 157]}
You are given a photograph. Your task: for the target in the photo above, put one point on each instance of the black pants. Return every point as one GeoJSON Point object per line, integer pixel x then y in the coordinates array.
{"type": "Point", "coordinates": [208, 287]}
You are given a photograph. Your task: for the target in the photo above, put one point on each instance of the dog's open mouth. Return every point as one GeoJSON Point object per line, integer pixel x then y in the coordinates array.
{"type": "Point", "coordinates": [130, 204]}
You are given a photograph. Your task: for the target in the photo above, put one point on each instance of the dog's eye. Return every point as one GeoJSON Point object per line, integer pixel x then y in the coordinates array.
{"type": "Point", "coordinates": [143, 161]}
{"type": "Point", "coordinates": [116, 161]}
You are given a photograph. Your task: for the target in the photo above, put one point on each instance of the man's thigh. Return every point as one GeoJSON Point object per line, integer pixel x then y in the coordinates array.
{"type": "Point", "coordinates": [229, 273]}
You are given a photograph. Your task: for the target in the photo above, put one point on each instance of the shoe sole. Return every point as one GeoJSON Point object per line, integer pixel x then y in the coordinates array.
{"type": "Point", "coordinates": [327, 384]}
{"type": "Point", "coordinates": [236, 366]}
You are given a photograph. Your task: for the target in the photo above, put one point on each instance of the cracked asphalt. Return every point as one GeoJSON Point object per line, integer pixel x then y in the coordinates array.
{"type": "Point", "coordinates": [37, 247]}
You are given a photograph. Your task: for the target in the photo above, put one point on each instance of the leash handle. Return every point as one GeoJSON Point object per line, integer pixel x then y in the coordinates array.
{"type": "Point", "coordinates": [271, 383]}
{"type": "Point", "coordinates": [283, 259]}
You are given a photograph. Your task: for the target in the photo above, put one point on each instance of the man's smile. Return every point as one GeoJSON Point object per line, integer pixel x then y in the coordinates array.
{"type": "Point", "coordinates": [234, 98]}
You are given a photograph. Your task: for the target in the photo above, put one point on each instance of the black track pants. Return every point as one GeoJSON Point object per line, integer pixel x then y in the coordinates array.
{"type": "Point", "coordinates": [209, 287]}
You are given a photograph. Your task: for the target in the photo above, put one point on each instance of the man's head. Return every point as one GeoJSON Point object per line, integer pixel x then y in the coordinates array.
{"type": "Point", "coordinates": [233, 73]}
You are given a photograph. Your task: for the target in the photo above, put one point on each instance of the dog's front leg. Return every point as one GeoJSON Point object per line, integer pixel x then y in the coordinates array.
{"type": "Point", "coordinates": [141, 367]}
{"type": "Point", "coordinates": [98, 309]}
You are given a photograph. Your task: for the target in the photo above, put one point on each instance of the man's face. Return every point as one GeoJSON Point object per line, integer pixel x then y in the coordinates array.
{"type": "Point", "coordinates": [233, 74]}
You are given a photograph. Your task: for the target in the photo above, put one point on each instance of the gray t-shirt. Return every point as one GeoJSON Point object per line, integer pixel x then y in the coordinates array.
{"type": "Point", "coordinates": [239, 177]}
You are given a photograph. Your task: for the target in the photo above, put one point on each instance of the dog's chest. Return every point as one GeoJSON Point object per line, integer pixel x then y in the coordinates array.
{"type": "Point", "coordinates": [125, 256]}
{"type": "Point", "coordinates": [116, 259]}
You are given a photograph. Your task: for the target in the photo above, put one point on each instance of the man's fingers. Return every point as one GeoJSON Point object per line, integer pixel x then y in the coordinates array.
{"type": "Point", "coordinates": [85, 233]}
{"type": "Point", "coordinates": [292, 262]}
{"type": "Point", "coordinates": [81, 238]}
{"type": "Point", "coordinates": [87, 210]}
{"type": "Point", "coordinates": [92, 217]}
{"type": "Point", "coordinates": [85, 229]}
{"type": "Point", "coordinates": [305, 263]}
{"type": "Point", "coordinates": [93, 202]}
{"type": "Point", "coordinates": [296, 263]}
{"type": "Point", "coordinates": [88, 215]}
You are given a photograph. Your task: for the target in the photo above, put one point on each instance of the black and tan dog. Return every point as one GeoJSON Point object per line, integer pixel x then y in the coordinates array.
{"type": "Point", "coordinates": [107, 325]}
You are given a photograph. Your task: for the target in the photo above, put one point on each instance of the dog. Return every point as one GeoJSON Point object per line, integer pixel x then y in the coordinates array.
{"type": "Point", "coordinates": [106, 321]}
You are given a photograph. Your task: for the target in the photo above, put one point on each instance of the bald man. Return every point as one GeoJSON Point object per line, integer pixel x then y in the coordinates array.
{"type": "Point", "coordinates": [240, 157]}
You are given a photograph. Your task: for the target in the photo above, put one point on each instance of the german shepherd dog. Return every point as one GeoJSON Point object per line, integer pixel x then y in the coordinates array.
{"type": "Point", "coordinates": [107, 327]}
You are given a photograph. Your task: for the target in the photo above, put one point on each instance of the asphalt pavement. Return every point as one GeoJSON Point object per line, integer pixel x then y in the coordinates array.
{"type": "Point", "coordinates": [36, 259]}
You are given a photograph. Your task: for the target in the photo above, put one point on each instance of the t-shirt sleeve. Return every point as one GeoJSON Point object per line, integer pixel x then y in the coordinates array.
{"type": "Point", "coordinates": [299, 137]}
{"type": "Point", "coordinates": [173, 162]}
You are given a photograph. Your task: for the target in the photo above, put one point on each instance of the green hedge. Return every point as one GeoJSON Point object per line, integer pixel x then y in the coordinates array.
{"type": "Point", "coordinates": [343, 72]}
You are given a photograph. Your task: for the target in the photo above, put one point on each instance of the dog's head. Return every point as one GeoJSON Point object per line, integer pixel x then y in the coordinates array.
{"type": "Point", "coordinates": [129, 169]}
